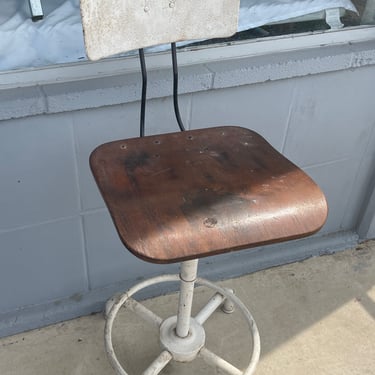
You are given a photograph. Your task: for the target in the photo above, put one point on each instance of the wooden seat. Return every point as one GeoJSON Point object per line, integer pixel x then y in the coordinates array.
{"type": "Point", "coordinates": [193, 194]}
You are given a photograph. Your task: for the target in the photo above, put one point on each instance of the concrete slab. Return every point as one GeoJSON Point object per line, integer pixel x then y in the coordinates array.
{"type": "Point", "coordinates": [314, 317]}
{"type": "Point", "coordinates": [116, 26]}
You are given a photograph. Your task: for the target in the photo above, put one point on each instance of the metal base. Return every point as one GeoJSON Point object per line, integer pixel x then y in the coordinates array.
{"type": "Point", "coordinates": [175, 346]}
{"type": "Point", "coordinates": [182, 349]}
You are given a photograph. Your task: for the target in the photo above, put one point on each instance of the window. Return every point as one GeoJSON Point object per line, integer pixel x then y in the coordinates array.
{"type": "Point", "coordinates": [265, 18]}
{"type": "Point", "coordinates": [57, 38]}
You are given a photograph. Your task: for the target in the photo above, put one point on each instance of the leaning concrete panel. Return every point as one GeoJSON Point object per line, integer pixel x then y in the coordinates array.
{"type": "Point", "coordinates": [115, 26]}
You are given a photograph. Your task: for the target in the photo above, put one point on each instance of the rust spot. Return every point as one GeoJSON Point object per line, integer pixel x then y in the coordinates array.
{"type": "Point", "coordinates": [210, 222]}
{"type": "Point", "coordinates": [136, 160]}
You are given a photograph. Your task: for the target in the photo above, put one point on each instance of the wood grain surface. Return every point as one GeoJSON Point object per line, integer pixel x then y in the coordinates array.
{"type": "Point", "coordinates": [192, 194]}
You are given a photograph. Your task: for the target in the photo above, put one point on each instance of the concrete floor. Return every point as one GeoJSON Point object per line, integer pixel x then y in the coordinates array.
{"type": "Point", "coordinates": [314, 317]}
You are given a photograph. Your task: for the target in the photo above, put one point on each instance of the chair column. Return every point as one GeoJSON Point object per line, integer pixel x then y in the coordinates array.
{"type": "Point", "coordinates": [188, 275]}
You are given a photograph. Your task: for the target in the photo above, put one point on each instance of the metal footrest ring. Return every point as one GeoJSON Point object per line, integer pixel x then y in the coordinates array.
{"type": "Point", "coordinates": [168, 278]}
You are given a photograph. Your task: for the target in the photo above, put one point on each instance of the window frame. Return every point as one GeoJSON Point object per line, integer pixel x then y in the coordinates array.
{"type": "Point", "coordinates": [84, 70]}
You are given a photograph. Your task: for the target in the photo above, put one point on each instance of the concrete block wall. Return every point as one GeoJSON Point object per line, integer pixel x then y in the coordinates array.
{"type": "Point", "coordinates": [60, 255]}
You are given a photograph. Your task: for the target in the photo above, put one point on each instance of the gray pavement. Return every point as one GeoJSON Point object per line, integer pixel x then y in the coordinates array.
{"type": "Point", "coordinates": [314, 317]}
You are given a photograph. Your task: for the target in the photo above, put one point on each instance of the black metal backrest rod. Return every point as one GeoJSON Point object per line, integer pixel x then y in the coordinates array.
{"type": "Point", "coordinates": [175, 87]}
{"type": "Point", "coordinates": [144, 90]}
{"type": "Point", "coordinates": [144, 93]}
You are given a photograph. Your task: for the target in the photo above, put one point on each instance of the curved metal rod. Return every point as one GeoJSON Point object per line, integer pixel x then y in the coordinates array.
{"type": "Point", "coordinates": [175, 87]}
{"type": "Point", "coordinates": [216, 361]}
{"type": "Point", "coordinates": [144, 92]}
{"type": "Point", "coordinates": [145, 313]}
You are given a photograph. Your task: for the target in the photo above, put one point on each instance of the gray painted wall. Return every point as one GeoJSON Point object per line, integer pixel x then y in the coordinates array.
{"type": "Point", "coordinates": [60, 255]}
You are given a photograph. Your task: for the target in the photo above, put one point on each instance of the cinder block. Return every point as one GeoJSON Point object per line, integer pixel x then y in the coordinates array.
{"type": "Point", "coordinates": [330, 120]}
{"type": "Point", "coordinates": [263, 108]}
{"type": "Point", "coordinates": [360, 204]}
{"type": "Point", "coordinates": [109, 91]}
{"type": "Point", "coordinates": [94, 127]}
{"type": "Point", "coordinates": [109, 261]}
{"type": "Point", "coordinates": [41, 263]}
{"type": "Point", "coordinates": [16, 103]}
{"type": "Point", "coordinates": [190, 79]}
{"type": "Point", "coordinates": [37, 172]}
{"type": "Point", "coordinates": [92, 93]}
{"type": "Point", "coordinates": [337, 180]}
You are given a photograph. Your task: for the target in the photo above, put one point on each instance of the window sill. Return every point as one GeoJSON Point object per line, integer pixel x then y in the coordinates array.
{"type": "Point", "coordinates": [83, 85]}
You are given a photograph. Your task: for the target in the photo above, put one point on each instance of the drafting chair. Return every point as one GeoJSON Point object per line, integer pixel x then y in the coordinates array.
{"type": "Point", "coordinates": [182, 196]}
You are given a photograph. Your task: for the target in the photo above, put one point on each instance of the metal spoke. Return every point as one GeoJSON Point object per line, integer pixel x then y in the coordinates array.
{"type": "Point", "coordinates": [148, 315]}
{"type": "Point", "coordinates": [211, 306]}
{"type": "Point", "coordinates": [216, 361]}
{"type": "Point", "coordinates": [160, 362]}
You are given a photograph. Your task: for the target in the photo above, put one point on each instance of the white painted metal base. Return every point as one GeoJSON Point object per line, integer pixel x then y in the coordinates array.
{"type": "Point", "coordinates": [181, 347]}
